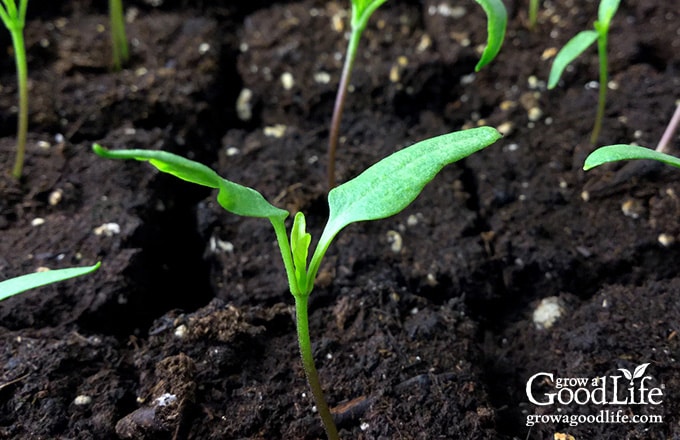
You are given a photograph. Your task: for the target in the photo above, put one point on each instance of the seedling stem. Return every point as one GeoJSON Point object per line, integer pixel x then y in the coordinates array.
{"type": "Point", "coordinates": [15, 21]}
{"type": "Point", "coordinates": [118, 39]}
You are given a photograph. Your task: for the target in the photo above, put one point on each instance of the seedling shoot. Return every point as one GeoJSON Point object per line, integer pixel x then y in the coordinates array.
{"type": "Point", "coordinates": [361, 13]}
{"type": "Point", "coordinates": [119, 43]}
{"type": "Point", "coordinates": [381, 191]}
{"type": "Point", "coordinates": [15, 20]}
{"type": "Point", "coordinates": [577, 45]}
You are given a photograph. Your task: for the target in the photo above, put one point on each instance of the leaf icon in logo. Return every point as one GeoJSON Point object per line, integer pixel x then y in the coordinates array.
{"type": "Point", "coordinates": [640, 370]}
{"type": "Point", "coordinates": [627, 374]}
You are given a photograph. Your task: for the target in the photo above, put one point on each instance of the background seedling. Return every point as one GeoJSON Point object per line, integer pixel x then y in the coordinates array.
{"type": "Point", "coordinates": [613, 153]}
{"type": "Point", "coordinates": [533, 13]}
{"type": "Point", "coordinates": [383, 190]}
{"type": "Point", "coordinates": [577, 45]}
{"type": "Point", "coordinates": [15, 19]}
{"type": "Point", "coordinates": [119, 43]}
{"type": "Point", "coordinates": [361, 13]}
{"type": "Point", "coordinates": [23, 283]}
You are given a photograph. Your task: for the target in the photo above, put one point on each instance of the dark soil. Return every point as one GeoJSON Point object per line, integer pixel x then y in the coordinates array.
{"type": "Point", "coordinates": [187, 329]}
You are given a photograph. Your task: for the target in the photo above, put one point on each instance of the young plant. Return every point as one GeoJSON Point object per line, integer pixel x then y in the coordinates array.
{"type": "Point", "coordinates": [382, 190]}
{"type": "Point", "coordinates": [119, 43]}
{"type": "Point", "coordinates": [361, 12]}
{"type": "Point", "coordinates": [14, 20]}
{"type": "Point", "coordinates": [23, 283]}
{"type": "Point", "coordinates": [577, 45]}
{"type": "Point", "coordinates": [613, 153]}
{"type": "Point", "coordinates": [533, 13]}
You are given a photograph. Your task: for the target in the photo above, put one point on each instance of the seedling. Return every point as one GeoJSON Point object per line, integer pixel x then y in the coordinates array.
{"type": "Point", "coordinates": [613, 153]}
{"type": "Point", "coordinates": [533, 13]}
{"type": "Point", "coordinates": [577, 45]}
{"type": "Point", "coordinates": [381, 191]}
{"type": "Point", "coordinates": [14, 20]}
{"type": "Point", "coordinates": [118, 39]}
{"type": "Point", "coordinates": [23, 283]}
{"type": "Point", "coordinates": [361, 12]}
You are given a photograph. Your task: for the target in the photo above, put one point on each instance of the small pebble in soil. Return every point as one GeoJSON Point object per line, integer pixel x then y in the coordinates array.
{"type": "Point", "coordinates": [55, 197]}
{"type": "Point", "coordinates": [244, 107]}
{"type": "Point", "coordinates": [506, 128]}
{"type": "Point", "coordinates": [165, 399]}
{"type": "Point", "coordinates": [181, 331]}
{"type": "Point", "coordinates": [275, 131]}
{"type": "Point", "coordinates": [82, 400]}
{"type": "Point", "coordinates": [37, 221]}
{"type": "Point", "coordinates": [632, 208]}
{"type": "Point", "coordinates": [394, 238]}
{"type": "Point", "coordinates": [666, 239]}
{"type": "Point", "coordinates": [44, 145]}
{"type": "Point", "coordinates": [107, 229]}
{"type": "Point", "coordinates": [547, 312]}
{"type": "Point", "coordinates": [232, 151]}
{"type": "Point", "coordinates": [287, 80]}
{"type": "Point", "coordinates": [322, 77]}
{"type": "Point", "coordinates": [534, 114]}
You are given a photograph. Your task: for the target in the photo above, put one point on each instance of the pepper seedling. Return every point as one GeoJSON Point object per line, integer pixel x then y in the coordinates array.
{"type": "Point", "coordinates": [362, 10]}
{"type": "Point", "coordinates": [22, 283]}
{"type": "Point", "coordinates": [381, 191]}
{"type": "Point", "coordinates": [613, 153]}
{"type": "Point", "coordinates": [15, 19]}
{"type": "Point", "coordinates": [577, 45]}
{"type": "Point", "coordinates": [119, 43]}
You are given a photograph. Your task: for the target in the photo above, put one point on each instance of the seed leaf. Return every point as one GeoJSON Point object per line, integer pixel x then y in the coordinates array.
{"type": "Point", "coordinates": [613, 153]}
{"type": "Point", "coordinates": [362, 11]}
{"type": "Point", "coordinates": [606, 11]}
{"type": "Point", "coordinates": [299, 244]}
{"type": "Point", "coordinates": [574, 47]}
{"type": "Point", "coordinates": [235, 198]}
{"type": "Point", "coordinates": [29, 281]}
{"type": "Point", "coordinates": [497, 20]}
{"type": "Point", "coordinates": [392, 184]}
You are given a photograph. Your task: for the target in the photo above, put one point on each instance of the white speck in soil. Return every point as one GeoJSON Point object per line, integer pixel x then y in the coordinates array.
{"type": "Point", "coordinates": [548, 311]}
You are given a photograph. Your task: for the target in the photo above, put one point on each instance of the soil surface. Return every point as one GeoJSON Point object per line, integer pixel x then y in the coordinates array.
{"type": "Point", "coordinates": [425, 325]}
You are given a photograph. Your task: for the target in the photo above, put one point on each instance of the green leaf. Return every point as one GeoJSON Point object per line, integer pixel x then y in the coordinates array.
{"type": "Point", "coordinates": [362, 11]}
{"type": "Point", "coordinates": [392, 184]}
{"type": "Point", "coordinates": [235, 198]}
{"type": "Point", "coordinates": [606, 11]}
{"type": "Point", "coordinates": [613, 153]}
{"type": "Point", "coordinates": [497, 20]}
{"type": "Point", "coordinates": [299, 244]}
{"type": "Point", "coordinates": [574, 47]}
{"type": "Point", "coordinates": [23, 283]}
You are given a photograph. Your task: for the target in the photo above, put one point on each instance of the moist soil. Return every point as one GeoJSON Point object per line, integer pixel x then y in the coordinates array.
{"type": "Point", "coordinates": [423, 324]}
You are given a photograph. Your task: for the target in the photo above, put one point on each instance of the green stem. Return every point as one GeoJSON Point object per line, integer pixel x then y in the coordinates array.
{"type": "Point", "coordinates": [604, 79]}
{"type": "Point", "coordinates": [533, 13]}
{"type": "Point", "coordinates": [340, 99]}
{"type": "Point", "coordinates": [17, 33]}
{"type": "Point", "coordinates": [302, 321]}
{"type": "Point", "coordinates": [118, 38]}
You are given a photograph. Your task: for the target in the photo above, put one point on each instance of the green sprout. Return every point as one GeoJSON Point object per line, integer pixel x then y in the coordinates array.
{"type": "Point", "coordinates": [361, 12]}
{"type": "Point", "coordinates": [118, 39]}
{"type": "Point", "coordinates": [22, 283]}
{"type": "Point", "coordinates": [381, 191]}
{"type": "Point", "coordinates": [15, 20]}
{"type": "Point", "coordinates": [533, 13]}
{"type": "Point", "coordinates": [613, 153]}
{"type": "Point", "coordinates": [577, 45]}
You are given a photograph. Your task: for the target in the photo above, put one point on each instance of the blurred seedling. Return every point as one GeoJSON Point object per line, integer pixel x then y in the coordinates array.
{"type": "Point", "coordinates": [577, 45]}
{"type": "Point", "coordinates": [361, 13]}
{"type": "Point", "coordinates": [381, 191]}
{"type": "Point", "coordinates": [119, 44]}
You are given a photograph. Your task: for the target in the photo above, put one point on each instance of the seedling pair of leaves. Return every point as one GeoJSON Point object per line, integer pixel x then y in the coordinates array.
{"type": "Point", "coordinates": [577, 45]}
{"type": "Point", "coordinates": [382, 190]}
{"type": "Point", "coordinates": [361, 13]}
